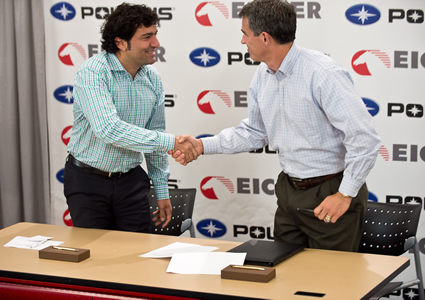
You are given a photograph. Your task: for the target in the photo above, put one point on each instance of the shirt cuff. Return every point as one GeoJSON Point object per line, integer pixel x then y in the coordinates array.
{"type": "Point", "coordinates": [211, 145]}
{"type": "Point", "coordinates": [161, 187]}
{"type": "Point", "coordinates": [350, 186]}
{"type": "Point", "coordinates": [161, 192]}
{"type": "Point", "coordinates": [166, 141]}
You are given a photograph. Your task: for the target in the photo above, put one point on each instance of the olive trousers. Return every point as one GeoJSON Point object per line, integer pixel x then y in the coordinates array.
{"type": "Point", "coordinates": [301, 227]}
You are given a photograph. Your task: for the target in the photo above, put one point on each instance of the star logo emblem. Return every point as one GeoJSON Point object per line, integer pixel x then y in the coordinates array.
{"type": "Point", "coordinates": [204, 57]}
{"type": "Point", "coordinates": [63, 11]}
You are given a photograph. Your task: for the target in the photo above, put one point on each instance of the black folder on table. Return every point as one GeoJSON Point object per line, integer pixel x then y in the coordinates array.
{"type": "Point", "coordinates": [267, 253]}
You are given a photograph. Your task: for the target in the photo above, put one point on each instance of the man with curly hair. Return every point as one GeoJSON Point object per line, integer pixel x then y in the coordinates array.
{"type": "Point", "coordinates": [118, 119]}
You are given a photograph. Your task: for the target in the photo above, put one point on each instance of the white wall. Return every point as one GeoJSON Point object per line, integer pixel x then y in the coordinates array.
{"type": "Point", "coordinates": [243, 183]}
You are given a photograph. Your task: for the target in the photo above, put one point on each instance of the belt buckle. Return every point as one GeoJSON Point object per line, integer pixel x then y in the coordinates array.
{"type": "Point", "coordinates": [296, 179]}
{"type": "Point", "coordinates": [295, 182]}
{"type": "Point", "coordinates": [115, 175]}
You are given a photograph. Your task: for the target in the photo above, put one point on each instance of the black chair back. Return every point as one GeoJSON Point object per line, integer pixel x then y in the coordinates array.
{"type": "Point", "coordinates": [182, 201]}
{"type": "Point", "coordinates": [387, 226]}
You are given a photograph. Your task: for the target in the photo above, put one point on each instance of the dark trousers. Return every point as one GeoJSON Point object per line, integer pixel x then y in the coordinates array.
{"type": "Point", "coordinates": [300, 227]}
{"type": "Point", "coordinates": [96, 201]}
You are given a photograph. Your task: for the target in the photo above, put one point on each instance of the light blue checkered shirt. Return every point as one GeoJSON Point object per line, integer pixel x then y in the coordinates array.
{"type": "Point", "coordinates": [310, 112]}
{"type": "Point", "coordinates": [118, 119]}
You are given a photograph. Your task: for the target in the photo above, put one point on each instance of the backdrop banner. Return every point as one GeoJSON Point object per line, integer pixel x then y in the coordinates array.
{"type": "Point", "coordinates": [206, 73]}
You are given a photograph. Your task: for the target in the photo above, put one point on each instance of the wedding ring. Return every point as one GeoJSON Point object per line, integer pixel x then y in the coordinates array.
{"type": "Point", "coordinates": [328, 219]}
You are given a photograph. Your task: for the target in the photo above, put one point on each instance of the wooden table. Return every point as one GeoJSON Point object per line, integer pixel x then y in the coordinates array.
{"type": "Point", "coordinates": [115, 264]}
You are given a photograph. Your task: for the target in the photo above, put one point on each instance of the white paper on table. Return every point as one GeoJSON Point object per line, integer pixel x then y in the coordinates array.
{"type": "Point", "coordinates": [210, 263]}
{"type": "Point", "coordinates": [169, 250]}
{"type": "Point", "coordinates": [37, 242]}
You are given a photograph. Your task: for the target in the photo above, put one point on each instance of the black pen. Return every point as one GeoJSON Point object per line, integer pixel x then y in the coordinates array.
{"type": "Point", "coordinates": [305, 209]}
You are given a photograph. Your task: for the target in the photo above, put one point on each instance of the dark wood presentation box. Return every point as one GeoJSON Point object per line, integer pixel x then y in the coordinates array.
{"type": "Point", "coordinates": [258, 274]}
{"type": "Point", "coordinates": [64, 255]}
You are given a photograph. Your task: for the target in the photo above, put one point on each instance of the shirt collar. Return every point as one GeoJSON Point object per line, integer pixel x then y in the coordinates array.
{"type": "Point", "coordinates": [115, 62]}
{"type": "Point", "coordinates": [289, 61]}
{"type": "Point", "coordinates": [117, 66]}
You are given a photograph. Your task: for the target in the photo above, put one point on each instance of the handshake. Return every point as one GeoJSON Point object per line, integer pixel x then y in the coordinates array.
{"type": "Point", "coordinates": [186, 149]}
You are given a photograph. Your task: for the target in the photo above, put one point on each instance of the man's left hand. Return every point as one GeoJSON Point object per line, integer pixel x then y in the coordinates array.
{"type": "Point", "coordinates": [163, 213]}
{"type": "Point", "coordinates": [333, 207]}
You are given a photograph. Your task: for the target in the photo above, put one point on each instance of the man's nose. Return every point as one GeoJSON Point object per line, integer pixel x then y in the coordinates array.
{"type": "Point", "coordinates": [155, 42]}
{"type": "Point", "coordinates": [243, 39]}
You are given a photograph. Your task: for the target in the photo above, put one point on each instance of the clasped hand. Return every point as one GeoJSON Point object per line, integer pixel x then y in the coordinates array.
{"type": "Point", "coordinates": [186, 149]}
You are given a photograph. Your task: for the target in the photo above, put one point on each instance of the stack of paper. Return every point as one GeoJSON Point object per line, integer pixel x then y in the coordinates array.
{"type": "Point", "coordinates": [196, 259]}
{"type": "Point", "coordinates": [37, 242]}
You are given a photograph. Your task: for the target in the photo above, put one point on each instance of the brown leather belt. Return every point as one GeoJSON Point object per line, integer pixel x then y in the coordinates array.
{"type": "Point", "coordinates": [71, 159]}
{"type": "Point", "coordinates": [302, 184]}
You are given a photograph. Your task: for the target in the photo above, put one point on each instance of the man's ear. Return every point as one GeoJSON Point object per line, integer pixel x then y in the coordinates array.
{"type": "Point", "coordinates": [121, 44]}
{"type": "Point", "coordinates": [266, 37]}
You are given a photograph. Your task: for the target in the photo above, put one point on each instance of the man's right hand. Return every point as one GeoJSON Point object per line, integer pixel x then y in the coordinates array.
{"type": "Point", "coordinates": [185, 148]}
{"type": "Point", "coordinates": [179, 156]}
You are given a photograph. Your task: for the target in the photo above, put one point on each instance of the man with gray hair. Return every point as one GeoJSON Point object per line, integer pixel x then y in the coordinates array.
{"type": "Point", "coordinates": [303, 104]}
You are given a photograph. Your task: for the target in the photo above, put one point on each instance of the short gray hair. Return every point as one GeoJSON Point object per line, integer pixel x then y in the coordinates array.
{"type": "Point", "coordinates": [276, 17]}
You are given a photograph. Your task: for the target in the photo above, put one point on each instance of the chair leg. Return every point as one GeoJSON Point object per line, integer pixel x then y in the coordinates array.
{"type": "Point", "coordinates": [418, 267]}
{"type": "Point", "coordinates": [192, 233]}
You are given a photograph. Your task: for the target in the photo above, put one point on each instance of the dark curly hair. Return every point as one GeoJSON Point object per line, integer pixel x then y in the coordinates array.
{"type": "Point", "coordinates": [123, 23]}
